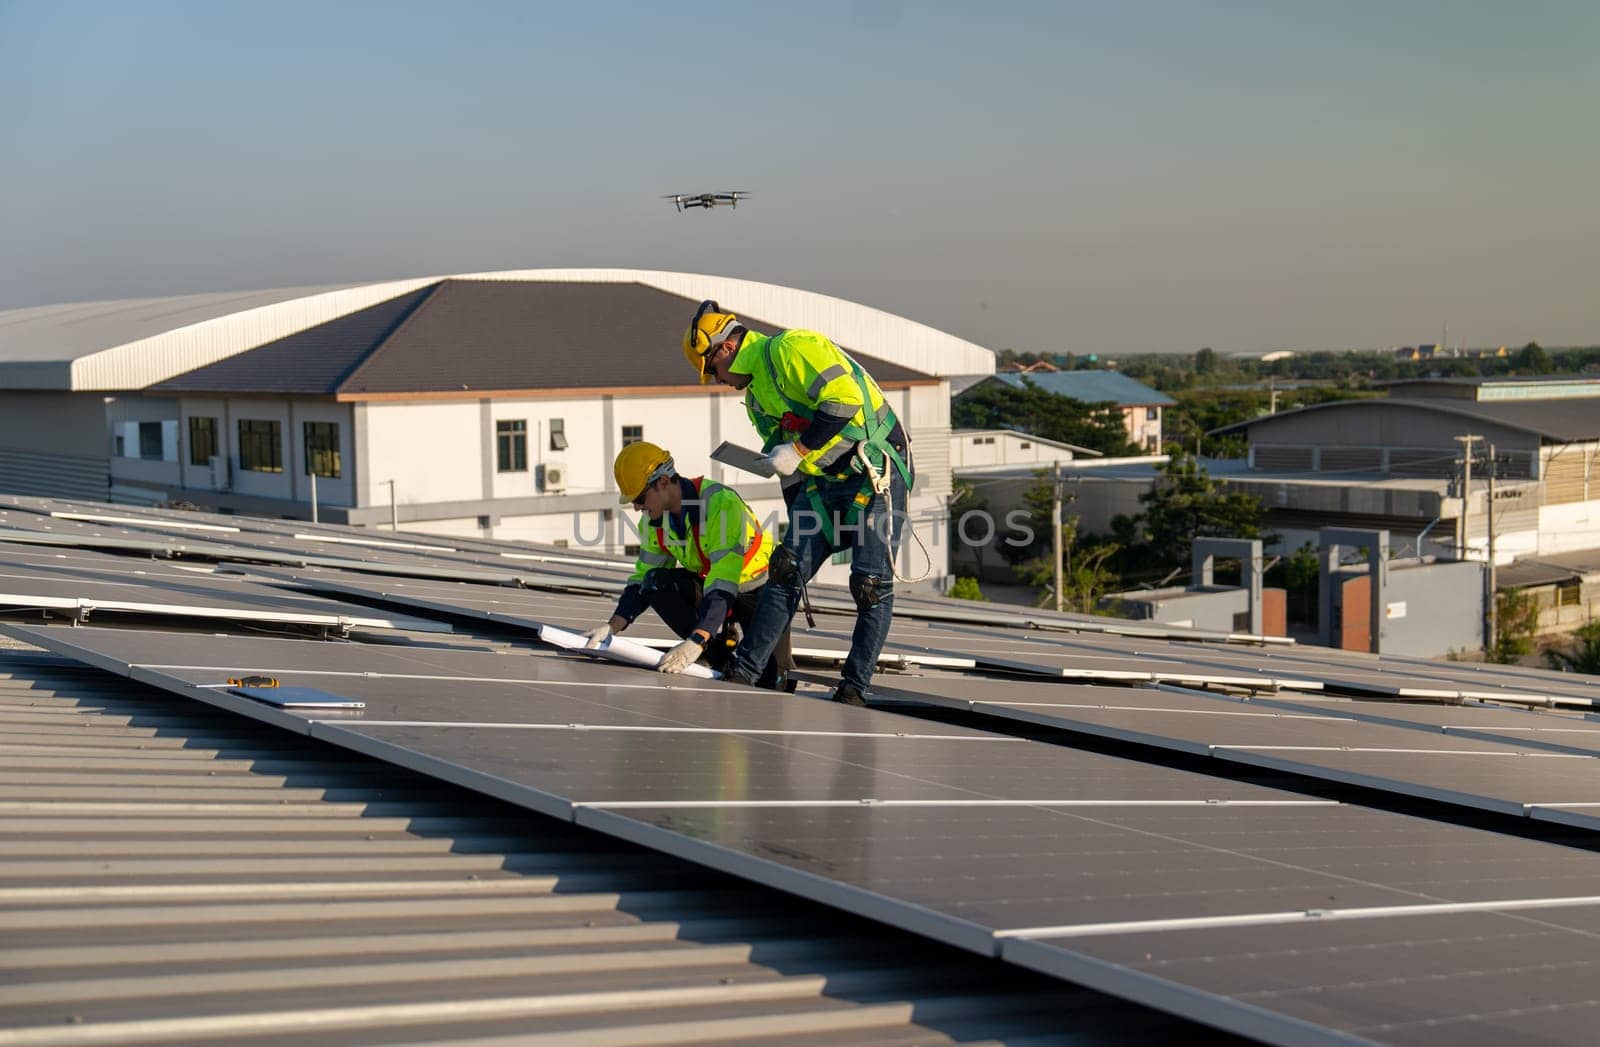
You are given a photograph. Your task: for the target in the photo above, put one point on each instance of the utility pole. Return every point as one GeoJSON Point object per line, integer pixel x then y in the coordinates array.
{"type": "Point", "coordinates": [1491, 607]}
{"type": "Point", "coordinates": [394, 514]}
{"type": "Point", "coordinates": [1055, 530]}
{"type": "Point", "coordinates": [1463, 525]}
{"type": "Point", "coordinates": [313, 475]}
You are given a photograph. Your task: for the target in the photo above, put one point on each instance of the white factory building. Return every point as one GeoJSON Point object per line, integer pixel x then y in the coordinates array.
{"type": "Point", "coordinates": [494, 402]}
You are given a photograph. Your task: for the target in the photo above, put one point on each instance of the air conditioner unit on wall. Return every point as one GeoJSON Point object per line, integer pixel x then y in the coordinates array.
{"type": "Point", "coordinates": [553, 477]}
{"type": "Point", "coordinates": [219, 473]}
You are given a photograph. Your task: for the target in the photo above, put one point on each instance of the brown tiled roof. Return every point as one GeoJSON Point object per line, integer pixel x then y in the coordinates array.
{"type": "Point", "coordinates": [308, 363]}
{"type": "Point", "coordinates": [484, 336]}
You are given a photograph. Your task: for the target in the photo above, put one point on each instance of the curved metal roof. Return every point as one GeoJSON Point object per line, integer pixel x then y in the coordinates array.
{"type": "Point", "coordinates": [495, 337]}
{"type": "Point", "coordinates": [126, 345]}
{"type": "Point", "coordinates": [1563, 421]}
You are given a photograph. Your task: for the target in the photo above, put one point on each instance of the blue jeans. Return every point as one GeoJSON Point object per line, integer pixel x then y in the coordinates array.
{"type": "Point", "coordinates": [871, 575]}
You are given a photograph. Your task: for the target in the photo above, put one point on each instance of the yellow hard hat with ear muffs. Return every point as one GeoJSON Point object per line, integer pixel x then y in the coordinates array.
{"type": "Point", "coordinates": [709, 329]}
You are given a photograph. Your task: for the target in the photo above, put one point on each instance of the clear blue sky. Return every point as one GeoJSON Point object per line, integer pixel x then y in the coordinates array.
{"type": "Point", "coordinates": [1085, 177]}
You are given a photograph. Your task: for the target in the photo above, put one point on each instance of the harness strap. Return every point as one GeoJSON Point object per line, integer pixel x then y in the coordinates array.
{"type": "Point", "coordinates": [874, 429]}
{"type": "Point", "coordinates": [694, 529]}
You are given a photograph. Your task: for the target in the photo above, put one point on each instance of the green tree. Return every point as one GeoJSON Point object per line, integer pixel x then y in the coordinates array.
{"type": "Point", "coordinates": [1186, 503]}
{"type": "Point", "coordinates": [1086, 573]}
{"type": "Point", "coordinates": [994, 405]}
{"type": "Point", "coordinates": [967, 589]}
{"type": "Point", "coordinates": [964, 499]}
{"type": "Point", "coordinates": [1533, 359]}
{"type": "Point", "coordinates": [1298, 574]}
{"type": "Point", "coordinates": [1205, 361]}
{"type": "Point", "coordinates": [1583, 657]}
{"type": "Point", "coordinates": [1516, 620]}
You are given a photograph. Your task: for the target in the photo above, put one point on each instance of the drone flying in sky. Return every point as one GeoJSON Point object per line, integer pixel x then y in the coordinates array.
{"type": "Point", "coordinates": [683, 201]}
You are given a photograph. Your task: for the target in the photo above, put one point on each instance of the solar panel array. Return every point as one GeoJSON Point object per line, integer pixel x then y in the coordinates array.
{"type": "Point", "coordinates": [1263, 846]}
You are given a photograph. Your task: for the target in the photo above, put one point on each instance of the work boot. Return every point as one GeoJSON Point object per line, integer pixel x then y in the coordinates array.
{"type": "Point", "coordinates": [849, 694]}
{"type": "Point", "coordinates": [735, 675]}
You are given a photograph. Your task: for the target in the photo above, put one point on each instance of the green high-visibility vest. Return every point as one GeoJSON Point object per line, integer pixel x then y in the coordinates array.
{"type": "Point", "coordinates": [800, 374]}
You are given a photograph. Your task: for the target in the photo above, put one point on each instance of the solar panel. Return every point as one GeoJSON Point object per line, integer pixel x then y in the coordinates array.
{"type": "Point", "coordinates": [295, 542]}
{"type": "Point", "coordinates": [1261, 910]}
{"type": "Point", "coordinates": [1314, 741]}
{"type": "Point", "coordinates": [1472, 977]}
{"type": "Point", "coordinates": [1524, 728]}
{"type": "Point", "coordinates": [977, 841]}
{"type": "Point", "coordinates": [1297, 668]}
{"type": "Point", "coordinates": [111, 585]}
{"type": "Point", "coordinates": [1057, 655]}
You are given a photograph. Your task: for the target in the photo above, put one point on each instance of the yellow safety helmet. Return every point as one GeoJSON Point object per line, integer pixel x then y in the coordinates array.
{"type": "Point", "coordinates": [710, 328]}
{"type": "Point", "coordinates": [638, 466]}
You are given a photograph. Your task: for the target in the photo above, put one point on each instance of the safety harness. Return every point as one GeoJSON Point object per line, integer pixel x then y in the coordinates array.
{"type": "Point", "coordinates": [871, 437]}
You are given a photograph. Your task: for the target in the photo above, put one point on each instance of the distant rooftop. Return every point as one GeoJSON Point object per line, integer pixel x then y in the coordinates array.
{"type": "Point", "coordinates": [1091, 387]}
{"type": "Point", "coordinates": [1483, 390]}
{"type": "Point", "coordinates": [1562, 420]}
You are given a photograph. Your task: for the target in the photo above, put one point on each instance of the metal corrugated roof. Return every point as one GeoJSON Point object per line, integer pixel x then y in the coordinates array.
{"type": "Point", "coordinates": [1564, 421]}
{"type": "Point", "coordinates": [173, 874]}
{"type": "Point", "coordinates": [1092, 387]}
{"type": "Point", "coordinates": [60, 333]}
{"type": "Point", "coordinates": [312, 362]}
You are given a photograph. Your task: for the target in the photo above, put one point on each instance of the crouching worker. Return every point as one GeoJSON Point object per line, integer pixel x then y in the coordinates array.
{"type": "Point", "coordinates": [702, 565]}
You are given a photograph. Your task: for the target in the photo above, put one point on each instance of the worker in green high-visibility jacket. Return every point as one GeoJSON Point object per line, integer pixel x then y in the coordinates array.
{"type": "Point", "coordinates": [844, 461]}
{"type": "Point", "coordinates": [703, 563]}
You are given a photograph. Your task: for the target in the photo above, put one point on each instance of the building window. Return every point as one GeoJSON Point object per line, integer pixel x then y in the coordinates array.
{"type": "Point", "coordinates": [202, 440]}
{"type": "Point", "coordinates": [1024, 445]}
{"type": "Point", "coordinates": [260, 445]}
{"type": "Point", "coordinates": [558, 434]}
{"type": "Point", "coordinates": [1152, 414]}
{"type": "Point", "coordinates": [150, 440]}
{"type": "Point", "coordinates": [632, 434]}
{"type": "Point", "coordinates": [322, 449]}
{"type": "Point", "coordinates": [511, 445]}
{"type": "Point", "coordinates": [977, 439]}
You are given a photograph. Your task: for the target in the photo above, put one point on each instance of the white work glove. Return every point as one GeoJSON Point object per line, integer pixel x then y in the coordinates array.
{"type": "Point", "coordinates": [680, 657]}
{"type": "Point", "coordinates": [785, 459]}
{"type": "Point", "coordinates": [596, 636]}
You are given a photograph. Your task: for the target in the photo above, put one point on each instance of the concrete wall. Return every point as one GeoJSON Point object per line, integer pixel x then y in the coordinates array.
{"type": "Point", "coordinates": [1096, 500]}
{"type": "Point", "coordinates": [1144, 427]}
{"type": "Point", "coordinates": [1567, 528]}
{"type": "Point", "coordinates": [54, 423]}
{"type": "Point", "coordinates": [976, 448]}
{"type": "Point", "coordinates": [134, 477]}
{"type": "Point", "coordinates": [1443, 609]}
{"type": "Point", "coordinates": [1221, 609]}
